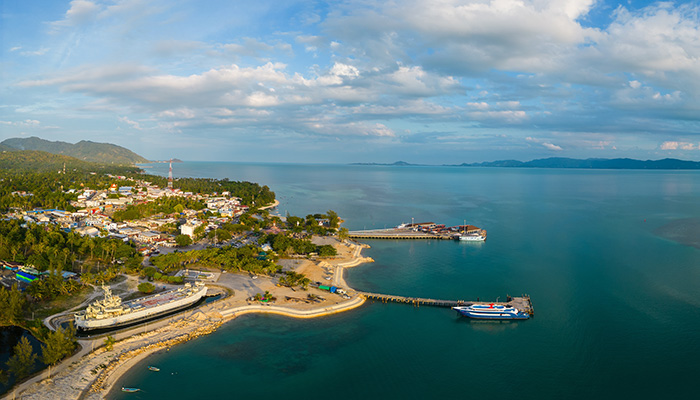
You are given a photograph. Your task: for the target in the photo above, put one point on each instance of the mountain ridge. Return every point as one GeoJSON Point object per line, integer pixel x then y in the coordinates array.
{"type": "Point", "coordinates": [85, 150]}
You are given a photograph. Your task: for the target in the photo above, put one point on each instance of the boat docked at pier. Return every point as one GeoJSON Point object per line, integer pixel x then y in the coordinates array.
{"type": "Point", "coordinates": [110, 312]}
{"type": "Point", "coordinates": [472, 238]}
{"type": "Point", "coordinates": [491, 311]}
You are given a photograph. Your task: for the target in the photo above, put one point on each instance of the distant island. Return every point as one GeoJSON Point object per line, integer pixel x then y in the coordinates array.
{"type": "Point", "coordinates": [560, 162]}
{"type": "Point", "coordinates": [396, 164]}
{"type": "Point", "coordinates": [591, 163]}
{"type": "Point", "coordinates": [174, 160]}
{"type": "Point", "coordinates": [85, 150]}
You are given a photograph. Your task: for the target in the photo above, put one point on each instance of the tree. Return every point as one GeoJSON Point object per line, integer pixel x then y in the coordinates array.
{"type": "Point", "coordinates": [146, 287]}
{"type": "Point", "coordinates": [59, 343]}
{"type": "Point", "coordinates": [109, 343]}
{"type": "Point", "coordinates": [183, 240]}
{"type": "Point", "coordinates": [22, 361]}
{"type": "Point", "coordinates": [343, 233]}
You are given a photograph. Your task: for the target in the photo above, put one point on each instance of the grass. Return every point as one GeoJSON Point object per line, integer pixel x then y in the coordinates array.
{"type": "Point", "coordinates": [61, 303]}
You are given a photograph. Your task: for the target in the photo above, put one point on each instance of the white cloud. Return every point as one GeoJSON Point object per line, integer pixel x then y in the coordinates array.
{"type": "Point", "coordinates": [131, 123]}
{"type": "Point", "coordinates": [673, 145]}
{"type": "Point", "coordinates": [40, 52]}
{"type": "Point", "coordinates": [79, 13]}
{"type": "Point", "coordinates": [25, 123]}
{"type": "Point", "coordinates": [547, 145]}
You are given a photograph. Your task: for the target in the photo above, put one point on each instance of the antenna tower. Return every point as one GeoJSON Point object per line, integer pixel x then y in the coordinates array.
{"type": "Point", "coordinates": [170, 175]}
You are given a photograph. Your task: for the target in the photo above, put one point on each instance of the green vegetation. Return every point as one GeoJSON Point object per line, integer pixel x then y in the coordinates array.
{"type": "Point", "coordinates": [58, 344]}
{"type": "Point", "coordinates": [283, 244]}
{"type": "Point", "coordinates": [153, 273]}
{"type": "Point", "coordinates": [311, 225]}
{"type": "Point", "coordinates": [183, 240]}
{"type": "Point", "coordinates": [226, 258]}
{"type": "Point", "coordinates": [103, 153]}
{"type": "Point", "coordinates": [146, 287]}
{"type": "Point", "coordinates": [109, 343]}
{"type": "Point", "coordinates": [48, 248]}
{"type": "Point", "coordinates": [12, 304]}
{"type": "Point", "coordinates": [163, 205]}
{"type": "Point", "coordinates": [21, 364]}
{"type": "Point", "coordinates": [264, 297]}
{"type": "Point", "coordinates": [292, 279]}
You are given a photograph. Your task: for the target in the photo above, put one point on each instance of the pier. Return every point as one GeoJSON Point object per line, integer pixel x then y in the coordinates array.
{"type": "Point", "coordinates": [523, 302]}
{"type": "Point", "coordinates": [394, 233]}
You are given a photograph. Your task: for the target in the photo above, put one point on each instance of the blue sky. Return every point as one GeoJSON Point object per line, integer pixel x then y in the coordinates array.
{"type": "Point", "coordinates": [356, 81]}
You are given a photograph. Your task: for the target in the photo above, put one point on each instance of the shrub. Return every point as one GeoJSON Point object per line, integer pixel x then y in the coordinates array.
{"type": "Point", "coordinates": [146, 287]}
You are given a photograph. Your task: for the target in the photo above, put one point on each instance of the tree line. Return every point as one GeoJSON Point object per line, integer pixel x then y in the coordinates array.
{"type": "Point", "coordinates": [229, 258]}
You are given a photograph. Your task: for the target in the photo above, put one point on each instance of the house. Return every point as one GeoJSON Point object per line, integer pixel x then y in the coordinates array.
{"type": "Point", "coordinates": [149, 236]}
{"type": "Point", "coordinates": [189, 227]}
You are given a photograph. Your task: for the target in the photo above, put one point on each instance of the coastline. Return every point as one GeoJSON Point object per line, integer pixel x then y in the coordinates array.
{"type": "Point", "coordinates": [94, 374]}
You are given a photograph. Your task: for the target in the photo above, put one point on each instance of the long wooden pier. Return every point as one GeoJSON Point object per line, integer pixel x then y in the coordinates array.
{"type": "Point", "coordinates": [522, 303]}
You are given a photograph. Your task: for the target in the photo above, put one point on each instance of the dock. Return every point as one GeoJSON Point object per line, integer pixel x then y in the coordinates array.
{"type": "Point", "coordinates": [523, 302]}
{"type": "Point", "coordinates": [394, 233]}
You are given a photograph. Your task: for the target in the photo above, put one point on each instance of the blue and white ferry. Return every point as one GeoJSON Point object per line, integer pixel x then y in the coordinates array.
{"type": "Point", "coordinates": [491, 311]}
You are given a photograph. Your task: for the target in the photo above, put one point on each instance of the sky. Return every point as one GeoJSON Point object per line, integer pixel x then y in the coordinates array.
{"type": "Point", "coordinates": [421, 81]}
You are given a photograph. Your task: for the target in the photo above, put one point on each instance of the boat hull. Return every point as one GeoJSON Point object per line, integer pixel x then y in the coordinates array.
{"type": "Point", "coordinates": [496, 314]}
{"type": "Point", "coordinates": [140, 315]}
{"type": "Point", "coordinates": [468, 238]}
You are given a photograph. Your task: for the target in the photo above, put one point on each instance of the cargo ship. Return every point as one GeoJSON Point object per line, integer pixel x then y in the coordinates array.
{"type": "Point", "coordinates": [491, 311]}
{"type": "Point", "coordinates": [110, 312]}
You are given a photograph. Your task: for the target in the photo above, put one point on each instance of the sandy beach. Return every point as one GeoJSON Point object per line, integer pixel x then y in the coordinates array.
{"type": "Point", "coordinates": [92, 374]}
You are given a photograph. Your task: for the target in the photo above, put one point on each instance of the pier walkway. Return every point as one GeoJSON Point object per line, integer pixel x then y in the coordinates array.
{"type": "Point", "coordinates": [394, 233]}
{"type": "Point", "coordinates": [521, 303]}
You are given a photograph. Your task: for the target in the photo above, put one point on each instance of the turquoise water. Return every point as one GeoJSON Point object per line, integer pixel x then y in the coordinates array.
{"type": "Point", "coordinates": [617, 308]}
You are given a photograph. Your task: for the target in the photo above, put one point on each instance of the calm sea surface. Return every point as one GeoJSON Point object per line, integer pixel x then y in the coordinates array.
{"type": "Point", "coordinates": [617, 307]}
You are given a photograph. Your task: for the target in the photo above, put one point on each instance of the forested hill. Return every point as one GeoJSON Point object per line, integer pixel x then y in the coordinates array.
{"type": "Point", "coordinates": [23, 161]}
{"type": "Point", "coordinates": [592, 163]}
{"type": "Point", "coordinates": [103, 153]}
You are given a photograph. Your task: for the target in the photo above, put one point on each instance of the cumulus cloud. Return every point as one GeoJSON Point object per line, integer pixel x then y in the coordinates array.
{"type": "Point", "coordinates": [547, 145]}
{"type": "Point", "coordinates": [672, 145]}
{"type": "Point", "coordinates": [516, 65]}
{"type": "Point", "coordinates": [79, 13]}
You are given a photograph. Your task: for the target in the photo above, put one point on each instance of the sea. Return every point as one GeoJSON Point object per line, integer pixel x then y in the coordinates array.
{"type": "Point", "coordinates": [610, 258]}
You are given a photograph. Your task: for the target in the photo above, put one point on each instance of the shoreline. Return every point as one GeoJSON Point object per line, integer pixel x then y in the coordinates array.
{"type": "Point", "coordinates": [94, 375]}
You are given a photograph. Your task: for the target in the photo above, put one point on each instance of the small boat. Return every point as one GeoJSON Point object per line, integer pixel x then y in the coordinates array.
{"type": "Point", "coordinates": [491, 311]}
{"type": "Point", "coordinates": [130, 390]}
{"type": "Point", "coordinates": [152, 368]}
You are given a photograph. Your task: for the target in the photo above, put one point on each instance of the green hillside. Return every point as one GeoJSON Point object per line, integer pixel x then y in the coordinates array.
{"type": "Point", "coordinates": [103, 153]}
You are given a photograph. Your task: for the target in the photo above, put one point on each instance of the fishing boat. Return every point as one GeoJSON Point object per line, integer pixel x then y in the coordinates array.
{"type": "Point", "coordinates": [130, 390]}
{"type": "Point", "coordinates": [491, 311]}
{"type": "Point", "coordinates": [152, 368]}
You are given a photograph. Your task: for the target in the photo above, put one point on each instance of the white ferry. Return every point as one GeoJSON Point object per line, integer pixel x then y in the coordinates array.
{"type": "Point", "coordinates": [472, 238]}
{"type": "Point", "coordinates": [491, 311]}
{"type": "Point", "coordinates": [110, 312]}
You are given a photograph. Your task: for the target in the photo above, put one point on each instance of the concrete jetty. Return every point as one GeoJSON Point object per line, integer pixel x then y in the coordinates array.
{"type": "Point", "coordinates": [523, 303]}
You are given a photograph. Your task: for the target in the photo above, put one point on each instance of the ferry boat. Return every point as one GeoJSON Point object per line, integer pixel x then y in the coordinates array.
{"type": "Point", "coordinates": [491, 311]}
{"type": "Point", "coordinates": [110, 312]}
{"type": "Point", "coordinates": [472, 238]}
